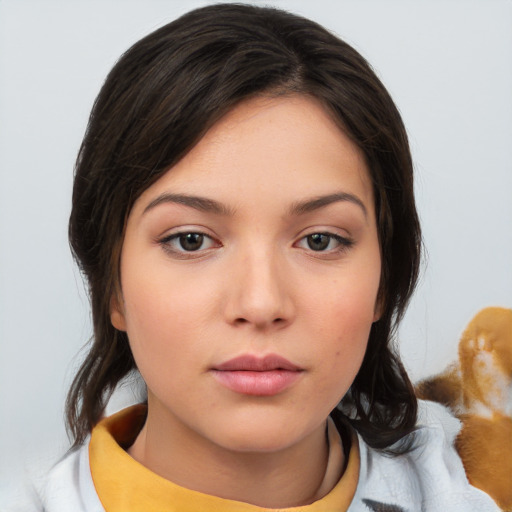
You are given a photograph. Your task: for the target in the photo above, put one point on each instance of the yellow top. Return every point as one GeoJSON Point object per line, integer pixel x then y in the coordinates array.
{"type": "Point", "coordinates": [125, 485]}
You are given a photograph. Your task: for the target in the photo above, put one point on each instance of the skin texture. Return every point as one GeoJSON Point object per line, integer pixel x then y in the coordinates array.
{"type": "Point", "coordinates": [255, 287]}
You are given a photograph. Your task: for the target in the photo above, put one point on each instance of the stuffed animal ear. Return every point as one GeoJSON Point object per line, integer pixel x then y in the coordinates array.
{"type": "Point", "coordinates": [445, 388]}
{"type": "Point", "coordinates": [485, 354]}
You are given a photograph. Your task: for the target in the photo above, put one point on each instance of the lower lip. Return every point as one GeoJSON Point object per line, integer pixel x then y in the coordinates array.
{"type": "Point", "coordinates": [267, 383]}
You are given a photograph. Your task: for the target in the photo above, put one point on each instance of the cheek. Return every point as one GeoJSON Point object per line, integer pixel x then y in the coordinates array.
{"type": "Point", "coordinates": [341, 319]}
{"type": "Point", "coordinates": [345, 309]}
{"type": "Point", "coordinates": [165, 317]}
{"type": "Point", "coordinates": [162, 296]}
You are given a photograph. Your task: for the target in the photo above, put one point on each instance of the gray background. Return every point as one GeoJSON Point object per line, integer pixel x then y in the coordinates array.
{"type": "Point", "coordinates": [448, 65]}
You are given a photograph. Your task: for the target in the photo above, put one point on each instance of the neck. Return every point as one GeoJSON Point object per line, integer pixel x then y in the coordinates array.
{"type": "Point", "coordinates": [286, 477]}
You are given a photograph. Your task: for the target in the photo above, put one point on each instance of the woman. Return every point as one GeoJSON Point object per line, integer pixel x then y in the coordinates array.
{"type": "Point", "coordinates": [243, 213]}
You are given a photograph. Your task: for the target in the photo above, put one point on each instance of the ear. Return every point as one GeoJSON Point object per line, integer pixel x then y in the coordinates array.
{"type": "Point", "coordinates": [379, 308]}
{"type": "Point", "coordinates": [117, 317]}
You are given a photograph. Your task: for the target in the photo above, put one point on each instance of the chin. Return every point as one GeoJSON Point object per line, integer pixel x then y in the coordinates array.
{"type": "Point", "coordinates": [257, 444]}
{"type": "Point", "coordinates": [261, 437]}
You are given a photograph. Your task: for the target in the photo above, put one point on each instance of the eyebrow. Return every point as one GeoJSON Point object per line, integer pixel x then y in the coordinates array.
{"type": "Point", "coordinates": [211, 206]}
{"type": "Point", "coordinates": [315, 203]}
{"type": "Point", "coordinates": [199, 203]}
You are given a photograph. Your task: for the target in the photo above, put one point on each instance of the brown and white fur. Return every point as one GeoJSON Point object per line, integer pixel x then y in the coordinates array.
{"type": "Point", "coordinates": [478, 390]}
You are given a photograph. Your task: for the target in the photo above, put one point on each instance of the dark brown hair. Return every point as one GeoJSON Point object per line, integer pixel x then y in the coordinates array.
{"type": "Point", "coordinates": [160, 98]}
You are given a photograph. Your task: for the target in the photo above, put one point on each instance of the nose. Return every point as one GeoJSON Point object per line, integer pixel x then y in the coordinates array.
{"type": "Point", "coordinates": [260, 291]}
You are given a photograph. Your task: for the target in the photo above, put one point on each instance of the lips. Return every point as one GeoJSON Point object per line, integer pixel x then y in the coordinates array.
{"type": "Point", "coordinates": [257, 376]}
{"type": "Point", "coordinates": [257, 364]}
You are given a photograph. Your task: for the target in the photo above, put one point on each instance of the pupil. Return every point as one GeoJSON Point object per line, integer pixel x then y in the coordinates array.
{"type": "Point", "coordinates": [191, 241]}
{"type": "Point", "coordinates": [318, 242]}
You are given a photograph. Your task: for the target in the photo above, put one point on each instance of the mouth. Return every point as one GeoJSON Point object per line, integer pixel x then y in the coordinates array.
{"type": "Point", "coordinates": [257, 376]}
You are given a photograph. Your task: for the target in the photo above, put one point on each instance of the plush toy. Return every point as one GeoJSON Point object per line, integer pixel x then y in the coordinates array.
{"type": "Point", "coordinates": [478, 390]}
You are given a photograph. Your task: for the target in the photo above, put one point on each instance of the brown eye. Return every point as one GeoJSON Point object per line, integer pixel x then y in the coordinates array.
{"type": "Point", "coordinates": [191, 241]}
{"type": "Point", "coordinates": [318, 241]}
{"type": "Point", "coordinates": [188, 242]}
{"type": "Point", "coordinates": [328, 243]}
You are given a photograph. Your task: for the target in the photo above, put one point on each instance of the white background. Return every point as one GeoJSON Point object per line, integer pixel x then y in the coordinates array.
{"type": "Point", "coordinates": [448, 65]}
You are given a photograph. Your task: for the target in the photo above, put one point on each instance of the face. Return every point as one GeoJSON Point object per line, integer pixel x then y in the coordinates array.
{"type": "Point", "coordinates": [249, 278]}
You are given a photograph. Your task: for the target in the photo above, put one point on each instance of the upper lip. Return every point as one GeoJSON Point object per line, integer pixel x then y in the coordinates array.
{"type": "Point", "coordinates": [257, 364]}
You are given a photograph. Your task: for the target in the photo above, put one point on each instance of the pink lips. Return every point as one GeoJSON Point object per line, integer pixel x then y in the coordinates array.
{"type": "Point", "coordinates": [251, 375]}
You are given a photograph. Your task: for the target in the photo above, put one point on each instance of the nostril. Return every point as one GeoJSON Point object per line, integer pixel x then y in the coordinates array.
{"type": "Point", "coordinates": [277, 321]}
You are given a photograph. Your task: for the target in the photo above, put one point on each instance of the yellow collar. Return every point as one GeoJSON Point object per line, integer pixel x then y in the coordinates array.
{"type": "Point", "coordinates": [124, 485]}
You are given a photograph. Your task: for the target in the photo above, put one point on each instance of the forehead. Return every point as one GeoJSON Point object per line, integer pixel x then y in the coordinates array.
{"type": "Point", "coordinates": [282, 147]}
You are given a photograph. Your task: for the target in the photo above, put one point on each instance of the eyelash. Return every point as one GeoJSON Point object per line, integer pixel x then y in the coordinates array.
{"type": "Point", "coordinates": [167, 243]}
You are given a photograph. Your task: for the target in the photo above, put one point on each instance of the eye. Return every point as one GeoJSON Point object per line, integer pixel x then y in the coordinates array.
{"type": "Point", "coordinates": [191, 241]}
{"type": "Point", "coordinates": [325, 242]}
{"type": "Point", "coordinates": [187, 242]}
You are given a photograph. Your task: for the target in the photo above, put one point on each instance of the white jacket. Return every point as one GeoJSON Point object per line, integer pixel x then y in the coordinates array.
{"type": "Point", "coordinates": [430, 478]}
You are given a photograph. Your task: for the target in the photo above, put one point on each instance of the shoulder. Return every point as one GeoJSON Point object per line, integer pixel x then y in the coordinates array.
{"type": "Point", "coordinates": [69, 486]}
{"type": "Point", "coordinates": [430, 477]}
